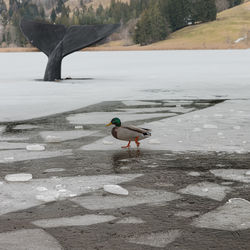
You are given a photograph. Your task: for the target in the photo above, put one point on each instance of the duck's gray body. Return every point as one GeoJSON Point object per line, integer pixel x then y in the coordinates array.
{"type": "Point", "coordinates": [130, 133]}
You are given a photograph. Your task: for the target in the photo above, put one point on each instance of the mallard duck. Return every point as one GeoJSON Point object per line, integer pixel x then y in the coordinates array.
{"type": "Point", "coordinates": [128, 133]}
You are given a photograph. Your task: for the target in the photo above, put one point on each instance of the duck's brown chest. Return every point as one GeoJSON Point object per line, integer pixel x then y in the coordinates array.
{"type": "Point", "coordinates": [114, 132]}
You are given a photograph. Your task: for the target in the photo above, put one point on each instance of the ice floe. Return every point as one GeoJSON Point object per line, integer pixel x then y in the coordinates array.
{"type": "Point", "coordinates": [115, 189]}
{"type": "Point", "coordinates": [130, 220]}
{"type": "Point", "coordinates": [232, 216]}
{"type": "Point", "coordinates": [180, 136]}
{"type": "Point", "coordinates": [21, 155]}
{"type": "Point", "coordinates": [106, 117]}
{"type": "Point", "coordinates": [16, 196]}
{"type": "Point", "coordinates": [136, 196]}
{"type": "Point", "coordinates": [241, 175]}
{"type": "Point", "coordinates": [206, 189]}
{"type": "Point", "coordinates": [24, 239]}
{"type": "Point", "coordinates": [35, 147]}
{"type": "Point", "coordinates": [20, 177]}
{"type": "Point", "coordinates": [80, 220]}
{"type": "Point", "coordinates": [160, 240]}
{"type": "Point", "coordinates": [59, 136]}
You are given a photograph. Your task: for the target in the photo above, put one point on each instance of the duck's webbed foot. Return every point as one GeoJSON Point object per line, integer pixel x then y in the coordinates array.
{"type": "Point", "coordinates": [128, 146]}
{"type": "Point", "coordinates": [137, 143]}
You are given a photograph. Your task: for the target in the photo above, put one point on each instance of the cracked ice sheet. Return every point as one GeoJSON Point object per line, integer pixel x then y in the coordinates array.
{"type": "Point", "coordinates": [22, 98]}
{"type": "Point", "coordinates": [232, 216]}
{"type": "Point", "coordinates": [81, 220]}
{"type": "Point", "coordinates": [241, 175]}
{"type": "Point", "coordinates": [106, 117]}
{"type": "Point", "coordinates": [206, 189]}
{"type": "Point", "coordinates": [156, 239]}
{"type": "Point", "coordinates": [24, 239]}
{"type": "Point", "coordinates": [180, 133]}
{"type": "Point", "coordinates": [19, 196]}
{"type": "Point", "coordinates": [136, 197]}
{"type": "Point", "coordinates": [60, 136]}
{"type": "Point", "coordinates": [7, 156]}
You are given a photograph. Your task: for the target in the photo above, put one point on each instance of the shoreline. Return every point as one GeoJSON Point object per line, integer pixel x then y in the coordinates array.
{"type": "Point", "coordinates": [126, 48]}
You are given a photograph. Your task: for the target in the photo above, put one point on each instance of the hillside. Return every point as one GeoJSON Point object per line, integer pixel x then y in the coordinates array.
{"type": "Point", "coordinates": [231, 30]}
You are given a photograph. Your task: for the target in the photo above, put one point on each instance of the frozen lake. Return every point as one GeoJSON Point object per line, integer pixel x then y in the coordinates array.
{"type": "Point", "coordinates": [151, 75]}
{"type": "Point", "coordinates": [63, 177]}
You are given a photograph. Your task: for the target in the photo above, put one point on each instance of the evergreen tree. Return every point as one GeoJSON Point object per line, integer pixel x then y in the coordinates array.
{"type": "Point", "coordinates": [53, 16]}
{"type": "Point", "coordinates": [151, 27]}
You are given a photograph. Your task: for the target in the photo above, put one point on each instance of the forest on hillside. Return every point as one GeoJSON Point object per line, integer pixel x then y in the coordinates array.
{"type": "Point", "coordinates": [147, 21]}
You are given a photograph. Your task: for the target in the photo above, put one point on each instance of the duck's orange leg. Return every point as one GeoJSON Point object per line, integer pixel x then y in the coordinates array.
{"type": "Point", "coordinates": [128, 146]}
{"type": "Point", "coordinates": [136, 141]}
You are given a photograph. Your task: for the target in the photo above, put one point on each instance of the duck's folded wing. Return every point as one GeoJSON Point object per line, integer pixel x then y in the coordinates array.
{"type": "Point", "coordinates": [139, 130]}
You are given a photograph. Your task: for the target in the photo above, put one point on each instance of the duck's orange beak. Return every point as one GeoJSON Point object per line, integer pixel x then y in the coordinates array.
{"type": "Point", "coordinates": [109, 124]}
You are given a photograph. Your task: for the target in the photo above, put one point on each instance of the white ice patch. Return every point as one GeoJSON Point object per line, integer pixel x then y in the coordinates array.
{"type": "Point", "coordinates": [24, 239]}
{"type": "Point", "coordinates": [12, 145]}
{"type": "Point", "coordinates": [136, 197]}
{"type": "Point", "coordinates": [18, 196]}
{"type": "Point", "coordinates": [115, 189]}
{"type": "Point", "coordinates": [186, 214]}
{"type": "Point", "coordinates": [130, 220]}
{"type": "Point", "coordinates": [26, 127]}
{"type": "Point", "coordinates": [206, 189]}
{"type": "Point", "coordinates": [232, 216]}
{"type": "Point", "coordinates": [53, 170]}
{"type": "Point", "coordinates": [194, 174]}
{"type": "Point", "coordinates": [105, 142]}
{"type": "Point", "coordinates": [210, 126]}
{"type": "Point", "coordinates": [60, 136]}
{"type": "Point", "coordinates": [22, 155]}
{"type": "Point", "coordinates": [156, 239]}
{"type": "Point", "coordinates": [84, 220]}
{"type": "Point", "coordinates": [21, 177]}
{"type": "Point", "coordinates": [35, 147]}
{"type": "Point", "coordinates": [241, 175]}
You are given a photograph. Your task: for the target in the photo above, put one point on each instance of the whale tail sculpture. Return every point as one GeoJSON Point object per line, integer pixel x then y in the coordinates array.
{"type": "Point", "coordinates": [57, 41]}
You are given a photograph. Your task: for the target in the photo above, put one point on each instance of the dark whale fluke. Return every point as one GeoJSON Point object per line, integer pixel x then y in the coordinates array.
{"type": "Point", "coordinates": [57, 41]}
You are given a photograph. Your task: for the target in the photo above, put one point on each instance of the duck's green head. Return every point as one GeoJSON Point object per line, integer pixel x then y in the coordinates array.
{"type": "Point", "coordinates": [115, 121]}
